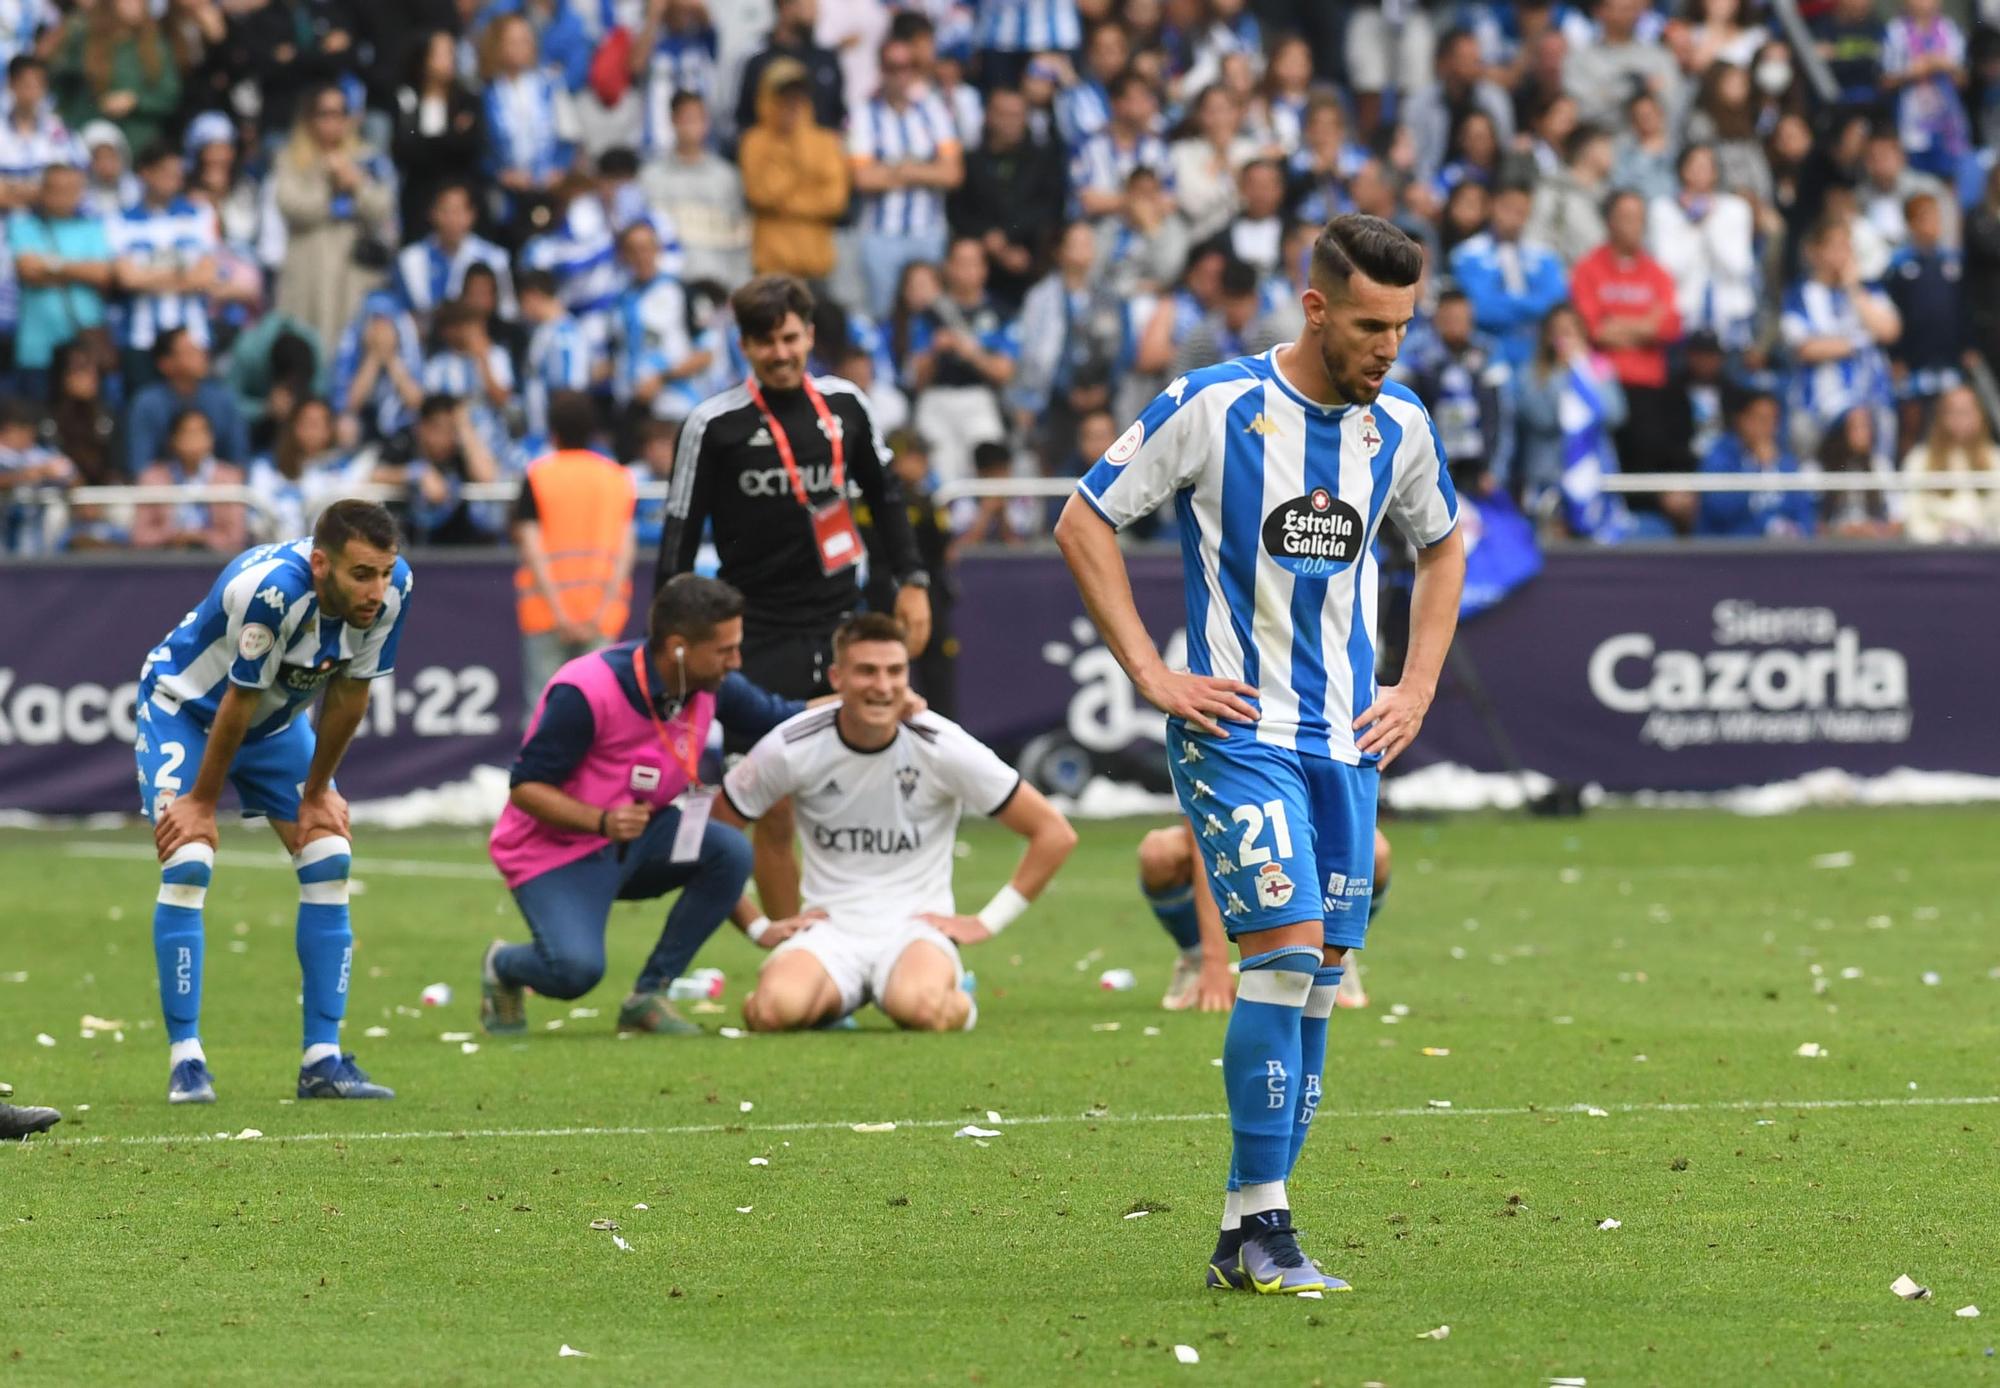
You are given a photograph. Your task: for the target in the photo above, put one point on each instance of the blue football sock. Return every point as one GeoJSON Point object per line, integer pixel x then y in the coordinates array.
{"type": "Point", "coordinates": [1312, 1054]}
{"type": "Point", "coordinates": [325, 940]}
{"type": "Point", "coordinates": [1260, 1060]}
{"type": "Point", "coordinates": [177, 938]}
{"type": "Point", "coordinates": [1174, 908]}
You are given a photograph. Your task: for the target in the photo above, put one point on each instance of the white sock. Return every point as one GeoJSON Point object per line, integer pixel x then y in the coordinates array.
{"type": "Point", "coordinates": [1256, 1199]}
{"type": "Point", "coordinates": [315, 1054]}
{"type": "Point", "coordinates": [189, 1049]}
{"type": "Point", "coordinates": [1232, 1211]}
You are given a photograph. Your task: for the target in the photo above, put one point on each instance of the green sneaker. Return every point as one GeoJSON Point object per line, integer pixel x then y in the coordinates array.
{"type": "Point", "coordinates": [654, 1013]}
{"type": "Point", "coordinates": [503, 1008]}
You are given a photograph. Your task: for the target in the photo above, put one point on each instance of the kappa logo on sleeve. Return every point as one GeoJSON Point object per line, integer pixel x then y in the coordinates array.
{"type": "Point", "coordinates": [255, 642]}
{"type": "Point", "coordinates": [274, 595]}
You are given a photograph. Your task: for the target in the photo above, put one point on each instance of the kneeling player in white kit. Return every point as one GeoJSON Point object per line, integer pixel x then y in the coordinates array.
{"type": "Point", "coordinates": [878, 802]}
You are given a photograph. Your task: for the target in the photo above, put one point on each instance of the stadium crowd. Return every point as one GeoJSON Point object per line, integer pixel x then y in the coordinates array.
{"type": "Point", "coordinates": [307, 245]}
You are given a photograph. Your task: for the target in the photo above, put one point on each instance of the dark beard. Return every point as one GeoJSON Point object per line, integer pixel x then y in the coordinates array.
{"type": "Point", "coordinates": [1354, 392]}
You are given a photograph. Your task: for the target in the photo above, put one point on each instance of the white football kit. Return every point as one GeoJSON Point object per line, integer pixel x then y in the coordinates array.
{"type": "Point", "coordinates": [878, 827]}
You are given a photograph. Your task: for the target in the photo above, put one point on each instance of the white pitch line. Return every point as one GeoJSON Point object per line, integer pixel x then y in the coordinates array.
{"type": "Point", "coordinates": [366, 866]}
{"type": "Point", "coordinates": [1034, 1121]}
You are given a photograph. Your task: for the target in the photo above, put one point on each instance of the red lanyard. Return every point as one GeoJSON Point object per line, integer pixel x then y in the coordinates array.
{"type": "Point", "coordinates": [827, 425]}
{"type": "Point", "coordinates": [686, 753]}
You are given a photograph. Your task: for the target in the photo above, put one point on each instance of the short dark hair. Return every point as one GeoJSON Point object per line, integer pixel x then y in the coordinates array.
{"type": "Point", "coordinates": [868, 626]}
{"type": "Point", "coordinates": [24, 62]}
{"type": "Point", "coordinates": [990, 454]}
{"type": "Point", "coordinates": [1125, 80]}
{"type": "Point", "coordinates": [620, 161]}
{"type": "Point", "coordinates": [456, 185]}
{"type": "Point", "coordinates": [436, 404]}
{"type": "Point", "coordinates": [765, 302]}
{"type": "Point", "coordinates": [1452, 294]}
{"type": "Point", "coordinates": [351, 519]}
{"type": "Point", "coordinates": [1582, 138]}
{"type": "Point", "coordinates": [1239, 279]}
{"type": "Point", "coordinates": [1355, 242]}
{"type": "Point", "coordinates": [685, 97]}
{"type": "Point", "coordinates": [453, 313]}
{"type": "Point", "coordinates": [169, 338]}
{"type": "Point", "coordinates": [1616, 196]}
{"type": "Point", "coordinates": [536, 282]}
{"type": "Point", "coordinates": [572, 419]}
{"type": "Point", "coordinates": [16, 413]}
{"type": "Point", "coordinates": [156, 152]}
{"type": "Point", "coordinates": [911, 25]}
{"type": "Point", "coordinates": [690, 606]}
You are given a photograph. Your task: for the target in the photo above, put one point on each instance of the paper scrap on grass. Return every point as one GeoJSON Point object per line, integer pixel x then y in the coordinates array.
{"type": "Point", "coordinates": [247, 1134]}
{"type": "Point", "coordinates": [1611, 1224]}
{"type": "Point", "coordinates": [42, 1038]}
{"type": "Point", "coordinates": [376, 1033]}
{"type": "Point", "coordinates": [567, 1353]}
{"type": "Point", "coordinates": [745, 1209]}
{"type": "Point", "coordinates": [468, 1048]}
{"type": "Point", "coordinates": [1970, 1313]}
{"type": "Point", "coordinates": [1401, 1009]}
{"type": "Point", "coordinates": [972, 1130]}
{"type": "Point", "coordinates": [1187, 1354]}
{"type": "Point", "coordinates": [1312, 1296]}
{"type": "Point", "coordinates": [619, 1243]}
{"type": "Point", "coordinates": [1390, 1019]}
{"type": "Point", "coordinates": [13, 978]}
{"type": "Point", "coordinates": [1151, 1031]}
{"type": "Point", "coordinates": [1442, 1332]}
{"type": "Point", "coordinates": [1811, 1050]}
{"type": "Point", "coordinates": [553, 1024]}
{"type": "Point", "coordinates": [1833, 860]}
{"type": "Point", "coordinates": [580, 1013]}
{"type": "Point", "coordinates": [874, 1127]}
{"type": "Point", "coordinates": [731, 1033]}
{"type": "Point", "coordinates": [1569, 1383]}
{"type": "Point", "coordinates": [1437, 1050]}
{"type": "Point", "coordinates": [760, 1161]}
{"type": "Point", "coordinates": [1851, 972]}
{"type": "Point", "coordinates": [604, 1226]}
{"type": "Point", "coordinates": [992, 1116]}
{"type": "Point", "coordinates": [745, 1106]}
{"type": "Point", "coordinates": [1932, 979]}
{"type": "Point", "coordinates": [1907, 1288]}
{"type": "Point", "coordinates": [1138, 1214]}
{"type": "Point", "coordinates": [1591, 1111]}
{"type": "Point", "coordinates": [90, 1023]}
{"type": "Point", "coordinates": [1104, 1026]}
{"type": "Point", "coordinates": [1438, 1103]}
{"type": "Point", "coordinates": [451, 1036]}
{"type": "Point", "coordinates": [638, 1207]}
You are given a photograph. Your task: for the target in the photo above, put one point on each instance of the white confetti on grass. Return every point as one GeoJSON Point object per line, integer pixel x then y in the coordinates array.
{"type": "Point", "coordinates": [760, 1161]}
{"type": "Point", "coordinates": [745, 1209]}
{"type": "Point", "coordinates": [1106, 1026]}
{"type": "Point", "coordinates": [567, 1353]}
{"type": "Point", "coordinates": [1138, 1214]}
{"type": "Point", "coordinates": [468, 1048]}
{"type": "Point", "coordinates": [376, 1033]}
{"type": "Point", "coordinates": [247, 1134]}
{"type": "Point", "coordinates": [1610, 1224]}
{"type": "Point", "coordinates": [1970, 1313]}
{"type": "Point", "coordinates": [973, 1130]}
{"type": "Point", "coordinates": [453, 1037]}
{"type": "Point", "coordinates": [745, 1106]}
{"type": "Point", "coordinates": [1932, 978]}
{"type": "Point", "coordinates": [579, 1013]}
{"type": "Point", "coordinates": [42, 1038]}
{"type": "Point", "coordinates": [1442, 1332]}
{"type": "Point", "coordinates": [992, 1116]}
{"type": "Point", "coordinates": [1187, 1354]}
{"type": "Point", "coordinates": [1910, 1289]}
{"type": "Point", "coordinates": [1438, 1103]}
{"type": "Point", "coordinates": [1831, 861]}
{"type": "Point", "coordinates": [619, 1243]}
{"type": "Point", "coordinates": [1811, 1050]}
{"type": "Point", "coordinates": [604, 1226]}
{"type": "Point", "coordinates": [731, 1033]}
{"type": "Point", "coordinates": [639, 1207]}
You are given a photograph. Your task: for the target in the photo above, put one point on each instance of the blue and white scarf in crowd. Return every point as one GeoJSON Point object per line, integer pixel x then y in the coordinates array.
{"type": "Point", "coordinates": [1592, 512]}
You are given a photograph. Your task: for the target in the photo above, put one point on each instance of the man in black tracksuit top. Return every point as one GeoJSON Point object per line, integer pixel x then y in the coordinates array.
{"type": "Point", "coordinates": [771, 465]}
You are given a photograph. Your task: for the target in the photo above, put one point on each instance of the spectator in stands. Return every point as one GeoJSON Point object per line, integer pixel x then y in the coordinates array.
{"type": "Point", "coordinates": [269, 384]}
{"type": "Point", "coordinates": [703, 194]}
{"type": "Point", "coordinates": [1725, 119]}
{"type": "Point", "coordinates": [111, 185]}
{"type": "Point", "coordinates": [1470, 394]}
{"type": "Point", "coordinates": [438, 135]}
{"type": "Point", "coordinates": [1567, 215]}
{"type": "Point", "coordinates": [1627, 301]}
{"type": "Point", "coordinates": [558, 356]}
{"type": "Point", "coordinates": [1887, 185]}
{"type": "Point", "coordinates": [1225, 331]}
{"type": "Point", "coordinates": [113, 63]}
{"type": "Point", "coordinates": [1083, 106]}
{"type": "Point", "coordinates": [1435, 110]}
{"type": "Point", "coordinates": [62, 260]}
{"type": "Point", "coordinates": [905, 158]}
{"type": "Point", "coordinates": [1570, 408]}
{"type": "Point", "coordinates": [431, 272]}
{"type": "Point", "coordinates": [1923, 63]}
{"type": "Point", "coordinates": [1751, 447]}
{"type": "Point", "coordinates": [467, 365]}
{"type": "Point", "coordinates": [943, 77]}
{"type": "Point", "coordinates": [795, 178]}
{"type": "Point", "coordinates": [1850, 40]}
{"type": "Point", "coordinates": [1602, 75]}
{"type": "Point", "coordinates": [657, 364]}
{"type": "Point", "coordinates": [1855, 447]}
{"type": "Point", "coordinates": [1207, 160]}
{"type": "Point", "coordinates": [674, 55]}
{"type": "Point", "coordinates": [1926, 283]}
{"type": "Point", "coordinates": [338, 204]}
{"type": "Point", "coordinates": [165, 249]}
{"type": "Point", "coordinates": [656, 440]}
{"type": "Point", "coordinates": [1645, 159]}
{"type": "Point", "coordinates": [1706, 240]}
{"type": "Point", "coordinates": [1399, 54]}
{"type": "Point", "coordinates": [233, 200]}
{"type": "Point", "coordinates": [1012, 196]}
{"type": "Point", "coordinates": [1472, 157]}
{"type": "Point", "coordinates": [378, 370]}
{"type": "Point", "coordinates": [991, 520]}
{"type": "Point", "coordinates": [188, 460]}
{"type": "Point", "coordinates": [1535, 77]}
{"type": "Point", "coordinates": [963, 352]}
{"type": "Point", "coordinates": [28, 527]}
{"type": "Point", "coordinates": [184, 383]}
{"type": "Point", "coordinates": [1712, 35]}
{"type": "Point", "coordinates": [530, 122]}
{"type": "Point", "coordinates": [1834, 329]}
{"type": "Point", "coordinates": [1075, 333]}
{"type": "Point", "coordinates": [1099, 169]}
{"type": "Point", "coordinates": [32, 136]}
{"type": "Point", "coordinates": [1324, 162]}
{"type": "Point", "coordinates": [80, 423]}
{"type": "Point", "coordinates": [1285, 96]}
{"type": "Point", "coordinates": [1010, 32]}
{"type": "Point", "coordinates": [1467, 209]}
{"type": "Point", "coordinates": [856, 30]}
{"type": "Point", "coordinates": [1512, 282]}
{"type": "Point", "coordinates": [302, 472]}
{"type": "Point", "coordinates": [1959, 444]}
{"type": "Point", "coordinates": [433, 460]}
{"type": "Point", "coordinates": [792, 39]}
{"type": "Point", "coordinates": [1256, 234]}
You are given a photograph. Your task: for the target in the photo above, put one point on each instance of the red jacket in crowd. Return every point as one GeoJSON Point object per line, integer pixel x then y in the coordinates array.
{"type": "Point", "coordinates": [1606, 285]}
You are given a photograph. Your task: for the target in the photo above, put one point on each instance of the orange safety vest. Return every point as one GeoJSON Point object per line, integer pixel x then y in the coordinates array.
{"type": "Point", "coordinates": [584, 504]}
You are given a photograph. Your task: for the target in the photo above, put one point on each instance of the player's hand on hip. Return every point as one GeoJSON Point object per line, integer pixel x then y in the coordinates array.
{"type": "Point", "coordinates": [1392, 721]}
{"type": "Point", "coordinates": [1200, 700]}
{"type": "Point", "coordinates": [1215, 990]}
{"type": "Point", "coordinates": [961, 930]}
{"type": "Point", "coordinates": [184, 822]}
{"type": "Point", "coordinates": [780, 931]}
{"type": "Point", "coordinates": [913, 610]}
{"type": "Point", "coordinates": [624, 823]}
{"type": "Point", "coordinates": [323, 815]}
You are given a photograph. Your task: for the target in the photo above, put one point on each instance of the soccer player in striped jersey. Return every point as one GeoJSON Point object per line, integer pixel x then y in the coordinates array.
{"type": "Point", "coordinates": [219, 700]}
{"type": "Point", "coordinates": [1281, 469]}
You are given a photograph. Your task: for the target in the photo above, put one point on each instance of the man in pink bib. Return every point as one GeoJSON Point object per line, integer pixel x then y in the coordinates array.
{"type": "Point", "coordinates": [608, 805]}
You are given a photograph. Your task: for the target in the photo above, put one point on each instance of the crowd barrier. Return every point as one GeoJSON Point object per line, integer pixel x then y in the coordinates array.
{"type": "Point", "coordinates": [1684, 667]}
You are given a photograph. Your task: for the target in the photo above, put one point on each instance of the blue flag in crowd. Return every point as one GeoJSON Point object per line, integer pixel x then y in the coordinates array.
{"type": "Point", "coordinates": [1500, 550]}
{"type": "Point", "coordinates": [1592, 512]}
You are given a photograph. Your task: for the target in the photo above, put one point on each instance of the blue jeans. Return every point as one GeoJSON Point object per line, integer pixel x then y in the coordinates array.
{"type": "Point", "coordinates": [568, 907]}
{"type": "Point", "coordinates": [883, 257]}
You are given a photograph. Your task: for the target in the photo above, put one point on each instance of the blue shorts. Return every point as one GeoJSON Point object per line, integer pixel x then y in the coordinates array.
{"type": "Point", "coordinates": [1284, 838]}
{"type": "Point", "coordinates": [268, 774]}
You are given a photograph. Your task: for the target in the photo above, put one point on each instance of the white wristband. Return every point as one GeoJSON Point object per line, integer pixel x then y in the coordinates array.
{"type": "Point", "coordinates": [1003, 910]}
{"type": "Point", "coordinates": [757, 928]}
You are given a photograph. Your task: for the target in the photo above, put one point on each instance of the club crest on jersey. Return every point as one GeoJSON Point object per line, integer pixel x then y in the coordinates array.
{"type": "Point", "coordinates": [906, 780]}
{"type": "Point", "coordinates": [1127, 447]}
{"type": "Point", "coordinates": [1274, 889]}
{"type": "Point", "coordinates": [1371, 437]}
{"type": "Point", "coordinates": [255, 641]}
{"type": "Point", "coordinates": [1313, 535]}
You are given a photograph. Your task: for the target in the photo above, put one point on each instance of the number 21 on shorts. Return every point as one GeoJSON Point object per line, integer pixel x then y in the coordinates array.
{"type": "Point", "coordinates": [1253, 820]}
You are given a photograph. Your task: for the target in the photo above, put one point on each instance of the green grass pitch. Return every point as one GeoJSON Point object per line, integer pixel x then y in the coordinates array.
{"type": "Point", "coordinates": [1657, 968]}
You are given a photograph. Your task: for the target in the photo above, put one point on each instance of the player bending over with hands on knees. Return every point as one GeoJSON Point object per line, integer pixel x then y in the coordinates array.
{"type": "Point", "coordinates": [219, 701]}
{"type": "Point", "coordinates": [878, 801]}
{"type": "Point", "coordinates": [1282, 468]}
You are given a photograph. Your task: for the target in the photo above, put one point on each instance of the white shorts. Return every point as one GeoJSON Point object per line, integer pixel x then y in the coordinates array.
{"type": "Point", "coordinates": [860, 961]}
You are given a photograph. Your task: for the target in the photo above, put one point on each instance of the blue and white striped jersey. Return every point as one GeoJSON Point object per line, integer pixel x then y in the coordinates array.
{"type": "Point", "coordinates": [1103, 165]}
{"type": "Point", "coordinates": [559, 358]}
{"type": "Point", "coordinates": [1829, 390]}
{"type": "Point", "coordinates": [652, 340]}
{"type": "Point", "coordinates": [684, 62]}
{"type": "Point", "coordinates": [178, 235]}
{"type": "Point", "coordinates": [25, 153]}
{"type": "Point", "coordinates": [1030, 26]}
{"type": "Point", "coordinates": [260, 628]}
{"type": "Point", "coordinates": [1279, 501]}
{"type": "Point", "coordinates": [1081, 111]}
{"type": "Point", "coordinates": [919, 133]}
{"type": "Point", "coordinates": [530, 125]}
{"type": "Point", "coordinates": [21, 23]}
{"type": "Point", "coordinates": [428, 275]}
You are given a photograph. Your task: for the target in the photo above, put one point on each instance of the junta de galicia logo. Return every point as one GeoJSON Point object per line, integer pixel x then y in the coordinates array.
{"type": "Point", "coordinates": [1314, 535]}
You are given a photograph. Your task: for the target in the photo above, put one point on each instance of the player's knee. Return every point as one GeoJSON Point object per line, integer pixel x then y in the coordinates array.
{"type": "Point", "coordinates": [1163, 860]}
{"type": "Point", "coordinates": [925, 1009]}
{"type": "Point", "coordinates": [185, 876]}
{"type": "Point", "coordinates": [323, 867]}
{"type": "Point", "coordinates": [1382, 860]}
{"type": "Point", "coordinates": [774, 1009]}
